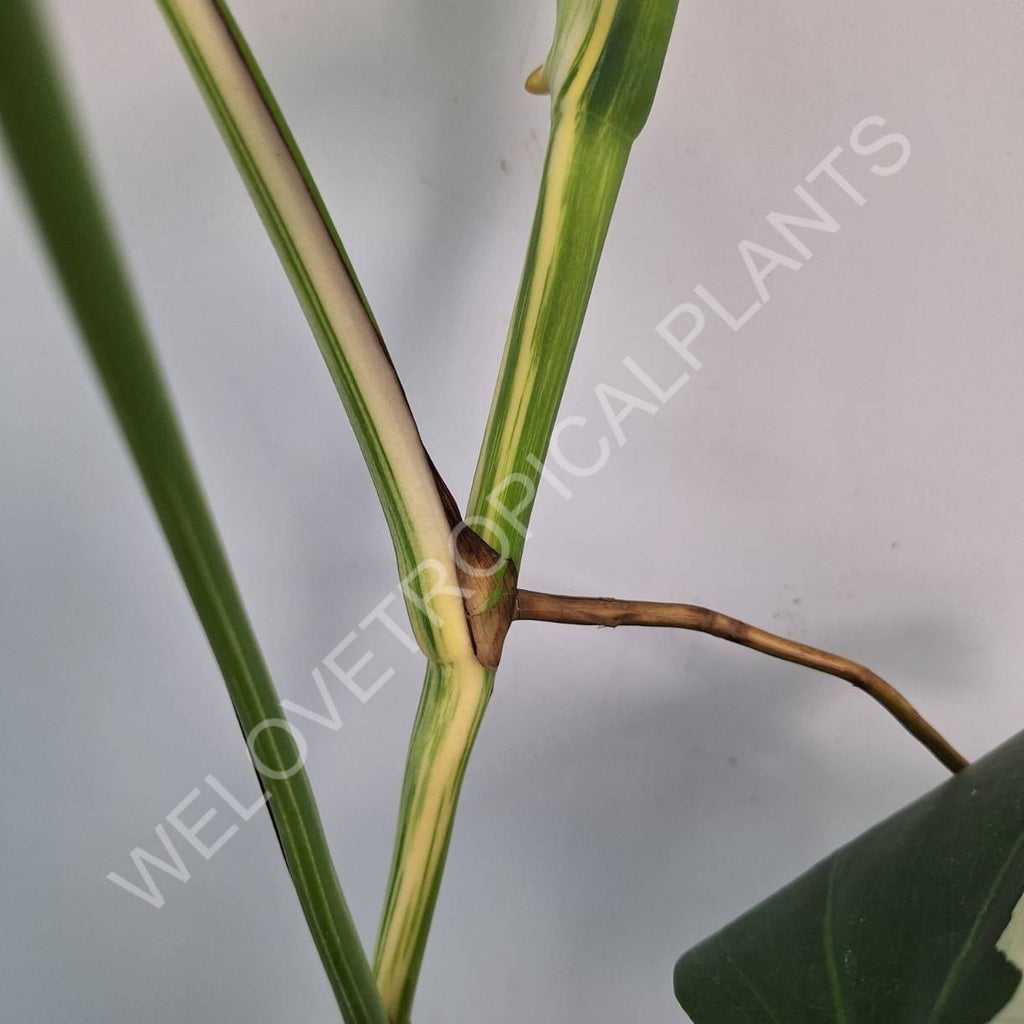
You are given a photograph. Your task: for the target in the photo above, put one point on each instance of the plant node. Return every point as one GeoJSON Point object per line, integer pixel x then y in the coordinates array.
{"type": "Point", "coordinates": [489, 593]}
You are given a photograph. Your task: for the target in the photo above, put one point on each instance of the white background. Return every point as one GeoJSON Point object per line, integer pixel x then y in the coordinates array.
{"type": "Point", "coordinates": [845, 470]}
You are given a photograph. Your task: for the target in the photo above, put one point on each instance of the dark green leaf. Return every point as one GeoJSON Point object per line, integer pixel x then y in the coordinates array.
{"type": "Point", "coordinates": [899, 927]}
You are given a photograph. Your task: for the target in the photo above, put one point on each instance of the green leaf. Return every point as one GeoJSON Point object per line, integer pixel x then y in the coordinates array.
{"type": "Point", "coordinates": [58, 183]}
{"type": "Point", "coordinates": [912, 923]}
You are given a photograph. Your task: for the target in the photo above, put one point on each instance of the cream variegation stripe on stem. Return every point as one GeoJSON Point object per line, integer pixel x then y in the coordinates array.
{"type": "Point", "coordinates": [602, 73]}
{"type": "Point", "coordinates": [451, 707]}
{"type": "Point", "coordinates": [297, 221]}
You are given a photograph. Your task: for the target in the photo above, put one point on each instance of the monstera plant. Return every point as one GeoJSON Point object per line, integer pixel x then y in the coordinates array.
{"type": "Point", "coordinates": [915, 923]}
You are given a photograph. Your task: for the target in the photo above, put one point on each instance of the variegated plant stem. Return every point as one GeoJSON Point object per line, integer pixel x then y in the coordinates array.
{"type": "Point", "coordinates": [57, 178]}
{"type": "Point", "coordinates": [602, 72]}
{"type": "Point", "coordinates": [313, 257]}
{"type": "Point", "coordinates": [451, 707]}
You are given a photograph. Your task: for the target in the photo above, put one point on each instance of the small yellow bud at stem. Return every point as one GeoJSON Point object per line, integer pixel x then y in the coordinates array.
{"type": "Point", "coordinates": [537, 82]}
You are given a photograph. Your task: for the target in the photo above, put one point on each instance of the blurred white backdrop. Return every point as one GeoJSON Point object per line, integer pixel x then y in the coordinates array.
{"type": "Point", "coordinates": [845, 470]}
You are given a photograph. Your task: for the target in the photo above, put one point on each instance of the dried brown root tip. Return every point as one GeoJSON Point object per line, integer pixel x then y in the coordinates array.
{"type": "Point", "coordinates": [537, 82]}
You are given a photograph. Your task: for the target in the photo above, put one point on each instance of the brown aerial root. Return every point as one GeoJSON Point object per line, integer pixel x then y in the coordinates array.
{"type": "Point", "coordinates": [605, 611]}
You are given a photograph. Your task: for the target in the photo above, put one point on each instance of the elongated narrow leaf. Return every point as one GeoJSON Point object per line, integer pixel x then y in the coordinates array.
{"type": "Point", "coordinates": [296, 219]}
{"type": "Point", "coordinates": [912, 923]}
{"type": "Point", "coordinates": [57, 180]}
{"type": "Point", "coordinates": [602, 73]}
